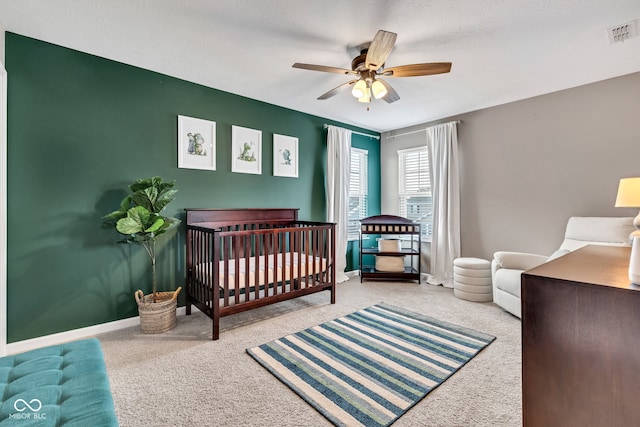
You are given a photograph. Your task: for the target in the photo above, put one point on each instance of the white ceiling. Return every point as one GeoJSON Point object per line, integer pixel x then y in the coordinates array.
{"type": "Point", "coordinates": [501, 50]}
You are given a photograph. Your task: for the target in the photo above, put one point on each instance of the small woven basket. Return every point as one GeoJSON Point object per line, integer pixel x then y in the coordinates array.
{"type": "Point", "coordinates": [159, 316]}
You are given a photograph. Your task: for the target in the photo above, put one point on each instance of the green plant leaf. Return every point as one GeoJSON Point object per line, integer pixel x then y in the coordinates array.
{"type": "Point", "coordinates": [143, 183]}
{"type": "Point", "coordinates": [115, 215]}
{"type": "Point", "coordinates": [142, 198]}
{"type": "Point", "coordinates": [125, 204]}
{"type": "Point", "coordinates": [164, 198]}
{"type": "Point", "coordinates": [136, 221]}
{"type": "Point", "coordinates": [151, 194]}
{"type": "Point", "coordinates": [157, 225]}
{"type": "Point", "coordinates": [128, 226]}
{"type": "Point", "coordinates": [110, 220]}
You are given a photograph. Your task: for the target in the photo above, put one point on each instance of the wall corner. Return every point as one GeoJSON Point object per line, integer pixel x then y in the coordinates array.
{"type": "Point", "coordinates": [3, 204]}
{"type": "Point", "coordinates": [3, 197]}
{"type": "Point", "coordinates": [2, 31]}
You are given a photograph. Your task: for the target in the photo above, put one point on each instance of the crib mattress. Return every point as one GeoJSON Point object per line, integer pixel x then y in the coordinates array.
{"type": "Point", "coordinates": [264, 270]}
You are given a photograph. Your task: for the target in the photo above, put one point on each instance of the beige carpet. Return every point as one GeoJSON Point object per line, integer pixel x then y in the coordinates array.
{"type": "Point", "coordinates": [182, 378]}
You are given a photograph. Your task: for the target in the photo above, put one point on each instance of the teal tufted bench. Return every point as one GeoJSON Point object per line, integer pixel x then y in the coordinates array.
{"type": "Point", "coordinates": [62, 385]}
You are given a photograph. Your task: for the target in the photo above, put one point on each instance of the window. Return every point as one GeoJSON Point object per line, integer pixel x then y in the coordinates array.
{"type": "Point", "coordinates": [358, 190]}
{"type": "Point", "coordinates": [414, 189]}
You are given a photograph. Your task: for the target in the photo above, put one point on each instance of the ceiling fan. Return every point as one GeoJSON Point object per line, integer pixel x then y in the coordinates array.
{"type": "Point", "coordinates": [369, 67]}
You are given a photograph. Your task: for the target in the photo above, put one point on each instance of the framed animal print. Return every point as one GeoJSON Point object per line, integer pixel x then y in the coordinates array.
{"type": "Point", "coordinates": [196, 143]}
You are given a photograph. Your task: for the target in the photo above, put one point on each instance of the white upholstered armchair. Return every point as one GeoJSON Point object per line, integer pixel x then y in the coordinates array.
{"type": "Point", "coordinates": [507, 267]}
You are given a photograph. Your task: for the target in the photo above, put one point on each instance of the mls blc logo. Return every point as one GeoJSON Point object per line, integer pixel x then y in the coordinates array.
{"type": "Point", "coordinates": [34, 406]}
{"type": "Point", "coordinates": [21, 405]}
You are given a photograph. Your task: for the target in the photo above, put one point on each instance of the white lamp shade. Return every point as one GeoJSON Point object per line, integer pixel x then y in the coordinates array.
{"type": "Point", "coordinates": [359, 89]}
{"type": "Point", "coordinates": [628, 193]}
{"type": "Point", "coordinates": [378, 89]}
{"type": "Point", "coordinates": [366, 97]}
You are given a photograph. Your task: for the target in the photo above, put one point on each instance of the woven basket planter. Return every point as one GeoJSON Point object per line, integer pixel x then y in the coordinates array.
{"type": "Point", "coordinates": [159, 316]}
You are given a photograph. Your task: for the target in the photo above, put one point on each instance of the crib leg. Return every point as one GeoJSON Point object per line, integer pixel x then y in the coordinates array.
{"type": "Point", "coordinates": [216, 330]}
{"type": "Point", "coordinates": [187, 304]}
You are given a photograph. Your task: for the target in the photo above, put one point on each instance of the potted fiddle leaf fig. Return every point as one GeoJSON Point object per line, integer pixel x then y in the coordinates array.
{"type": "Point", "coordinates": [140, 221]}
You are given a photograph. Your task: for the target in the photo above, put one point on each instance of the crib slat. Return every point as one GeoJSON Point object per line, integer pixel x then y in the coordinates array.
{"type": "Point", "coordinates": [225, 259]}
{"type": "Point", "coordinates": [247, 276]}
{"type": "Point", "coordinates": [256, 276]}
{"type": "Point", "coordinates": [300, 249]}
{"type": "Point", "coordinates": [314, 254]}
{"type": "Point", "coordinates": [214, 288]}
{"type": "Point", "coordinates": [275, 248]}
{"type": "Point", "coordinates": [235, 243]}
{"type": "Point", "coordinates": [308, 256]}
{"type": "Point", "coordinates": [293, 257]}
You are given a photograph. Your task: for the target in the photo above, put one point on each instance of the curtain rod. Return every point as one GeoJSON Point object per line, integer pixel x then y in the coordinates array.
{"type": "Point", "coordinates": [419, 130]}
{"type": "Point", "coordinates": [357, 133]}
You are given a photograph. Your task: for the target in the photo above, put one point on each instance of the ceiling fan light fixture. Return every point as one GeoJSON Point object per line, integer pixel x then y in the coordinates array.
{"type": "Point", "coordinates": [370, 64]}
{"type": "Point", "coordinates": [378, 89]}
{"type": "Point", "coordinates": [359, 89]}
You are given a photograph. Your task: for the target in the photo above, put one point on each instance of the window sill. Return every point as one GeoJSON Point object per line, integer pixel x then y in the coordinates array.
{"type": "Point", "coordinates": [394, 236]}
{"type": "Point", "coordinates": [422, 240]}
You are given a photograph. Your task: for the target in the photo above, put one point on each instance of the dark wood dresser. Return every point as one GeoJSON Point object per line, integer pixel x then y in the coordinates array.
{"type": "Point", "coordinates": [581, 341]}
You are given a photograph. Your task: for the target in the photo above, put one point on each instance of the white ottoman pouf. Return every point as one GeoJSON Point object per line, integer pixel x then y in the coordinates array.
{"type": "Point", "coordinates": [472, 279]}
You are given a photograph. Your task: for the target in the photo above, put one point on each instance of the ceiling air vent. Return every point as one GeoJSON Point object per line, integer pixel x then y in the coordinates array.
{"type": "Point", "coordinates": [620, 33]}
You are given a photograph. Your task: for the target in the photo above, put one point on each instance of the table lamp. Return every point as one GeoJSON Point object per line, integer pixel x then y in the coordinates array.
{"type": "Point", "coordinates": [629, 197]}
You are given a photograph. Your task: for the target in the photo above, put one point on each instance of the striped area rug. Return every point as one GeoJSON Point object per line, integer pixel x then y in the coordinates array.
{"type": "Point", "coordinates": [369, 367]}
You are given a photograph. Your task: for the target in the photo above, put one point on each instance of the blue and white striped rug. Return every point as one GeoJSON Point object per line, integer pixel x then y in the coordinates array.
{"type": "Point", "coordinates": [370, 367]}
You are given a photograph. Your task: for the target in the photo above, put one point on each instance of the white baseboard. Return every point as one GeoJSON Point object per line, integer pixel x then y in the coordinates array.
{"type": "Point", "coordinates": [76, 334]}
{"type": "Point", "coordinates": [90, 331]}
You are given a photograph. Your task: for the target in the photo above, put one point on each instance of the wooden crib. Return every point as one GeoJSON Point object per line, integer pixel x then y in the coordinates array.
{"type": "Point", "coordinates": [240, 259]}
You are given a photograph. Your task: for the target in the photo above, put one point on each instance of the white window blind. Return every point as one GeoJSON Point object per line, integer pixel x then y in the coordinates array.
{"type": "Point", "coordinates": [358, 191]}
{"type": "Point", "coordinates": [416, 202]}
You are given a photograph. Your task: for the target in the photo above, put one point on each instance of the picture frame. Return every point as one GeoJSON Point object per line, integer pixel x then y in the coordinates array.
{"type": "Point", "coordinates": [285, 156]}
{"type": "Point", "coordinates": [196, 143]}
{"type": "Point", "coordinates": [246, 150]}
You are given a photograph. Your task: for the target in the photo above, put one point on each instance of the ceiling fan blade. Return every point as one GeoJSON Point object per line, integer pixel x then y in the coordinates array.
{"type": "Point", "coordinates": [379, 49]}
{"type": "Point", "coordinates": [392, 95]}
{"type": "Point", "coordinates": [324, 68]}
{"type": "Point", "coordinates": [334, 91]}
{"type": "Point", "coordinates": [426, 69]}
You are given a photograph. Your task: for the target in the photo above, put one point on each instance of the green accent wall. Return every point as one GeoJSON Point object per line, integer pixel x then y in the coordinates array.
{"type": "Point", "coordinates": [80, 129]}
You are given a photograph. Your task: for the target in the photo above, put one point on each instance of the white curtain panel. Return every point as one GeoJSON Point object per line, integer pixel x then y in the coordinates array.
{"type": "Point", "coordinates": [442, 146]}
{"type": "Point", "coordinates": [337, 191]}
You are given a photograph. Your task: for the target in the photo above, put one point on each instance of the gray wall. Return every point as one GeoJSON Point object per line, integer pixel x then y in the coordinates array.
{"type": "Point", "coordinates": [2, 42]}
{"type": "Point", "coordinates": [527, 166]}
